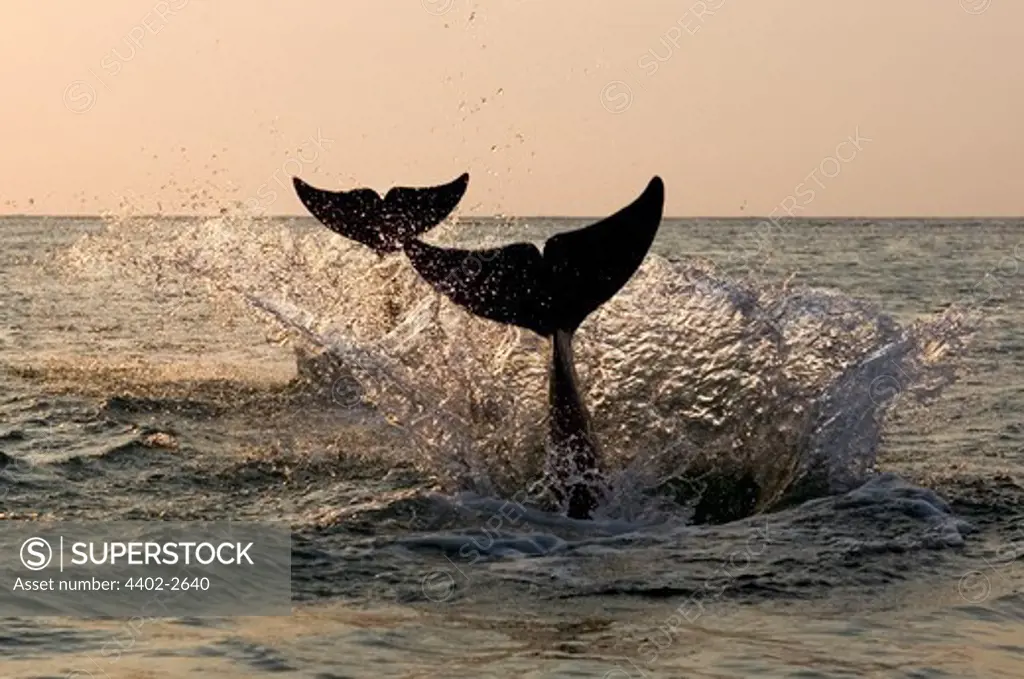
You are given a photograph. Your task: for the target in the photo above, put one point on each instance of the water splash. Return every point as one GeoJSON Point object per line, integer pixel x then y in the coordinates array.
{"type": "Point", "coordinates": [689, 376]}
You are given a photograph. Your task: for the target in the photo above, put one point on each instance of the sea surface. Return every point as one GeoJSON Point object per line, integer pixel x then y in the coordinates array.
{"type": "Point", "coordinates": [867, 375]}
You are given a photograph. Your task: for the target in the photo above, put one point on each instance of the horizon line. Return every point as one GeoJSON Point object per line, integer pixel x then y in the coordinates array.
{"type": "Point", "coordinates": [13, 215]}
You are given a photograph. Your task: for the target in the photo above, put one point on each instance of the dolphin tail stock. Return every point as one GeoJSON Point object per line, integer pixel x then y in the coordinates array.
{"type": "Point", "coordinates": [578, 271]}
{"type": "Point", "coordinates": [382, 224]}
{"type": "Point", "coordinates": [552, 294]}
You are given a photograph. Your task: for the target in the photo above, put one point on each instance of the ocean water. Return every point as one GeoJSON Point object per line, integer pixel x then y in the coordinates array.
{"type": "Point", "coordinates": [867, 375]}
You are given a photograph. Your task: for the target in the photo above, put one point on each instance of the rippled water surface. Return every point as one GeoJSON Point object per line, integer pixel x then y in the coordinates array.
{"type": "Point", "coordinates": [866, 374]}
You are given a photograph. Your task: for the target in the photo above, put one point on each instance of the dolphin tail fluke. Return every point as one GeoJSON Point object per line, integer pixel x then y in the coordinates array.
{"type": "Point", "coordinates": [589, 265]}
{"type": "Point", "coordinates": [383, 224]}
{"type": "Point", "coordinates": [578, 271]}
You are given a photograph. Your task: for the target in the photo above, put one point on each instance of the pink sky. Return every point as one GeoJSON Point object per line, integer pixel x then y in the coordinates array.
{"type": "Point", "coordinates": [555, 107]}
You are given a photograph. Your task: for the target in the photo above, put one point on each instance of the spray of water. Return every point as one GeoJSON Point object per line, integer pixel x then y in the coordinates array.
{"type": "Point", "coordinates": [689, 376]}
